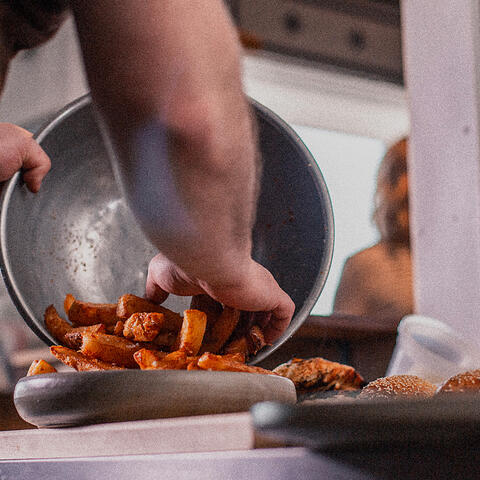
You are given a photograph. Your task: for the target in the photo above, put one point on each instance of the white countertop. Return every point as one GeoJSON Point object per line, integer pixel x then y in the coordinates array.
{"type": "Point", "coordinates": [205, 433]}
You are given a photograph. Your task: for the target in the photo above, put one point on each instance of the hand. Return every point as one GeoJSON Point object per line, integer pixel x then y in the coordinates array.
{"type": "Point", "coordinates": [18, 150]}
{"type": "Point", "coordinates": [254, 290]}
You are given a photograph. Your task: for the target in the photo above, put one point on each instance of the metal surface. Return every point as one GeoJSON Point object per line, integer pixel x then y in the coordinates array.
{"type": "Point", "coordinates": [79, 398]}
{"type": "Point", "coordinates": [77, 235]}
{"type": "Point", "coordinates": [358, 425]}
{"type": "Point", "coordinates": [278, 463]}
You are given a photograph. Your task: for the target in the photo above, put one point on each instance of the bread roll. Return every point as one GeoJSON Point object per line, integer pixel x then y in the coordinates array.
{"type": "Point", "coordinates": [399, 386]}
{"type": "Point", "coordinates": [462, 382]}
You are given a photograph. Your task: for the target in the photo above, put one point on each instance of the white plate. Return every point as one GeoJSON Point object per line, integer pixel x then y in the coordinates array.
{"type": "Point", "coordinates": [79, 398]}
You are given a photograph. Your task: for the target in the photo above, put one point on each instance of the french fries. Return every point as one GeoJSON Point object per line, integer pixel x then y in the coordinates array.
{"type": "Point", "coordinates": [73, 338]}
{"type": "Point", "coordinates": [79, 361]}
{"type": "Point", "coordinates": [118, 328]}
{"type": "Point", "coordinates": [56, 325]}
{"type": "Point", "coordinates": [129, 304]}
{"type": "Point", "coordinates": [63, 332]}
{"type": "Point", "coordinates": [209, 361]}
{"type": "Point", "coordinates": [110, 349]}
{"type": "Point", "coordinates": [238, 345]}
{"type": "Point", "coordinates": [221, 330]}
{"type": "Point", "coordinates": [193, 329]}
{"type": "Point", "coordinates": [85, 313]}
{"type": "Point", "coordinates": [143, 327]}
{"type": "Point", "coordinates": [136, 333]}
{"type": "Point", "coordinates": [39, 367]}
{"type": "Point", "coordinates": [255, 340]}
{"type": "Point", "coordinates": [151, 360]}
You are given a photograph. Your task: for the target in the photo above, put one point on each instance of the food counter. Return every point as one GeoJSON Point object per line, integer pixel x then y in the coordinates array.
{"type": "Point", "coordinates": [211, 447]}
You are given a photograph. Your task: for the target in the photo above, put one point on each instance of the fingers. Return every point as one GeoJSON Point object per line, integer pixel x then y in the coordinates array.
{"type": "Point", "coordinates": [255, 291]}
{"type": "Point", "coordinates": [20, 151]}
{"type": "Point", "coordinates": [35, 163]}
{"type": "Point", "coordinates": [164, 278]}
{"type": "Point", "coordinates": [152, 291]}
{"type": "Point", "coordinates": [259, 291]}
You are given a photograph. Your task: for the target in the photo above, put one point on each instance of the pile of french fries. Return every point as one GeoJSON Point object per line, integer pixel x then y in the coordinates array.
{"type": "Point", "coordinates": [136, 333]}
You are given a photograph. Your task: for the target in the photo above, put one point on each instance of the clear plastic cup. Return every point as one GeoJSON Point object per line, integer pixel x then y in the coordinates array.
{"type": "Point", "coordinates": [431, 350]}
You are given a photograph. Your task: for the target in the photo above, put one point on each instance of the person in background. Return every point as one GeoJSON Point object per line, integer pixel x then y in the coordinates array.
{"type": "Point", "coordinates": [377, 281]}
{"type": "Point", "coordinates": [165, 79]}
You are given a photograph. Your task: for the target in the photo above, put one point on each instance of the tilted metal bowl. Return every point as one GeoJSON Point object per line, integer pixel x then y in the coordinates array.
{"type": "Point", "coordinates": [77, 235]}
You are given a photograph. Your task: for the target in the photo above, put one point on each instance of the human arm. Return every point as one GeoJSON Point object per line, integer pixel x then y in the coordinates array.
{"type": "Point", "coordinates": [350, 297]}
{"type": "Point", "coordinates": [165, 77]}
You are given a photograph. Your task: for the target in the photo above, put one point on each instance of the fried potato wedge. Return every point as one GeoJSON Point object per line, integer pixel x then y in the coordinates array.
{"type": "Point", "coordinates": [129, 304]}
{"type": "Point", "coordinates": [118, 329]}
{"type": "Point", "coordinates": [210, 361]}
{"type": "Point", "coordinates": [249, 344]}
{"type": "Point", "coordinates": [80, 362]}
{"type": "Point", "coordinates": [56, 325]}
{"type": "Point", "coordinates": [237, 345]}
{"type": "Point", "coordinates": [68, 302]}
{"type": "Point", "coordinates": [255, 340]}
{"type": "Point", "coordinates": [85, 313]}
{"type": "Point", "coordinates": [110, 348]}
{"type": "Point", "coordinates": [152, 360]}
{"type": "Point", "coordinates": [192, 331]}
{"type": "Point", "coordinates": [39, 367]}
{"type": "Point", "coordinates": [221, 330]}
{"type": "Point", "coordinates": [166, 341]}
{"type": "Point", "coordinates": [143, 327]}
{"type": "Point", "coordinates": [73, 338]}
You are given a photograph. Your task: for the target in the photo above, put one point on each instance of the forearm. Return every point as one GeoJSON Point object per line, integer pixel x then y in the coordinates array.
{"type": "Point", "coordinates": [170, 95]}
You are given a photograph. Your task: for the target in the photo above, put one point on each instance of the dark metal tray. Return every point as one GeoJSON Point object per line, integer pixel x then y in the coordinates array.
{"type": "Point", "coordinates": [352, 424]}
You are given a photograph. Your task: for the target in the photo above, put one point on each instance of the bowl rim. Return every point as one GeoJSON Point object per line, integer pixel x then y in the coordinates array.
{"type": "Point", "coordinates": [268, 116]}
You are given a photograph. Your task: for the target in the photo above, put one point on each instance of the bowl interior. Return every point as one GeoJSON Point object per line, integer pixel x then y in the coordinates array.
{"type": "Point", "coordinates": [77, 235]}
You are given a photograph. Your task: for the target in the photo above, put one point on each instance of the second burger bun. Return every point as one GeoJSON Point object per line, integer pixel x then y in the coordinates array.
{"type": "Point", "coordinates": [466, 382]}
{"type": "Point", "coordinates": [398, 386]}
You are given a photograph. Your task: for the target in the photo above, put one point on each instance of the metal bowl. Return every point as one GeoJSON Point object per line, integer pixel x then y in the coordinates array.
{"type": "Point", "coordinates": [77, 235]}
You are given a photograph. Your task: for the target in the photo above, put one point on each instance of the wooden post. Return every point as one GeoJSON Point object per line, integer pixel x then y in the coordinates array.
{"type": "Point", "coordinates": [441, 55]}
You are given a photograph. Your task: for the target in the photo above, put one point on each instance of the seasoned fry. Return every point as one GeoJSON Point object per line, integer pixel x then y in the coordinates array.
{"type": "Point", "coordinates": [221, 330]}
{"type": "Point", "coordinates": [148, 359]}
{"type": "Point", "coordinates": [255, 340]}
{"type": "Point", "coordinates": [56, 325]}
{"type": "Point", "coordinates": [118, 328]}
{"type": "Point", "coordinates": [192, 332]}
{"type": "Point", "coordinates": [73, 338]}
{"type": "Point", "coordinates": [130, 333]}
{"type": "Point", "coordinates": [208, 305]}
{"type": "Point", "coordinates": [143, 327]}
{"type": "Point", "coordinates": [166, 341]}
{"type": "Point", "coordinates": [80, 362]}
{"type": "Point", "coordinates": [68, 302]}
{"type": "Point", "coordinates": [209, 361]}
{"type": "Point", "coordinates": [151, 360]}
{"type": "Point", "coordinates": [38, 367]}
{"type": "Point", "coordinates": [84, 313]}
{"type": "Point", "coordinates": [110, 348]}
{"type": "Point", "coordinates": [129, 304]}
{"type": "Point", "coordinates": [193, 365]}
{"type": "Point", "coordinates": [238, 345]}
{"type": "Point", "coordinates": [234, 357]}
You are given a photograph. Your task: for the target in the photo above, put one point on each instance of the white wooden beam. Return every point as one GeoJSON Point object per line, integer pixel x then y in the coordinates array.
{"type": "Point", "coordinates": [304, 94]}
{"type": "Point", "coordinates": [441, 48]}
